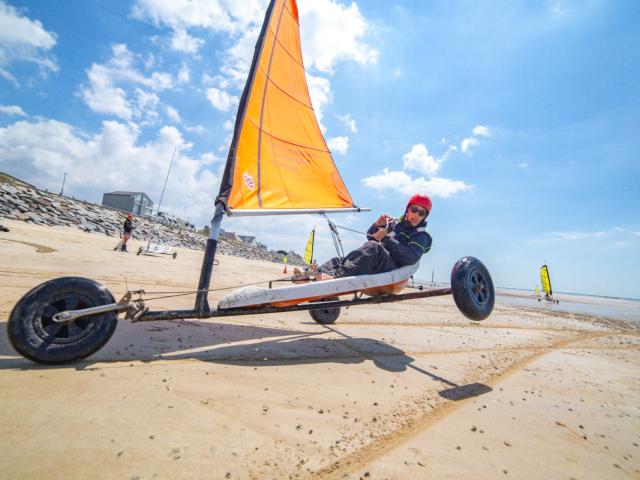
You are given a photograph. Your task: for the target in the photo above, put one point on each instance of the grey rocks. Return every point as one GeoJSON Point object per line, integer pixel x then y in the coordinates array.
{"type": "Point", "coordinates": [18, 202]}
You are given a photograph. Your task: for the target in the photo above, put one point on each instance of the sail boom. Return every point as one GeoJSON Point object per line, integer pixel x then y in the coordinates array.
{"type": "Point", "coordinates": [291, 211]}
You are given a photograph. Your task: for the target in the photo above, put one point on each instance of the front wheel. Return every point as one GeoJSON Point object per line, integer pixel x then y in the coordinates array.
{"type": "Point", "coordinates": [472, 288]}
{"type": "Point", "coordinates": [326, 316]}
{"type": "Point", "coordinates": [35, 335]}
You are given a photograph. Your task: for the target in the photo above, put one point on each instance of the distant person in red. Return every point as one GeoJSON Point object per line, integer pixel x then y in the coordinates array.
{"type": "Point", "coordinates": [127, 228]}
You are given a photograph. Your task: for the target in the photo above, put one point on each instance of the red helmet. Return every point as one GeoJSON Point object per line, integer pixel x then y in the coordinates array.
{"type": "Point", "coordinates": [421, 199]}
{"type": "Point", "coordinates": [130, 217]}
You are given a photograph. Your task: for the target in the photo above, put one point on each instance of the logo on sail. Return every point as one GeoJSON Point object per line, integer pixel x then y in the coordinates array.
{"type": "Point", "coordinates": [248, 181]}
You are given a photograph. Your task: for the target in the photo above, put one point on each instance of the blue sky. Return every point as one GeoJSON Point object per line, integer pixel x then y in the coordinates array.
{"type": "Point", "coordinates": [521, 119]}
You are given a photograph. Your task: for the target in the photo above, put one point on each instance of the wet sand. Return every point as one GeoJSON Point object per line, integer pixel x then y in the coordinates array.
{"type": "Point", "coordinates": [395, 391]}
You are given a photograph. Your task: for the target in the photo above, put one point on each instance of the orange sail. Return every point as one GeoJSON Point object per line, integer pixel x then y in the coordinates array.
{"type": "Point", "coordinates": [278, 161]}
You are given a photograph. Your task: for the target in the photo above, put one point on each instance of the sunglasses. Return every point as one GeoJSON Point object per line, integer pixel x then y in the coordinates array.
{"type": "Point", "coordinates": [420, 211]}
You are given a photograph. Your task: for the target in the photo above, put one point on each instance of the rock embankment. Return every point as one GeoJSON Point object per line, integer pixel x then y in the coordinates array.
{"type": "Point", "coordinates": [20, 202]}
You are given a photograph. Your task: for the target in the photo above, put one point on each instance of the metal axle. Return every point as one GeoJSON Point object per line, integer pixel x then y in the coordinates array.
{"type": "Point", "coordinates": [67, 316]}
{"type": "Point", "coordinates": [138, 312]}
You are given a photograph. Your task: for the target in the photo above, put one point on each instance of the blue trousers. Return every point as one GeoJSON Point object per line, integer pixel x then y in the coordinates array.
{"type": "Point", "coordinates": [370, 258]}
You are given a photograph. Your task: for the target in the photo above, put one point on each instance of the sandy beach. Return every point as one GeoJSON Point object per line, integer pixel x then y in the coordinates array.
{"type": "Point", "coordinates": [392, 391]}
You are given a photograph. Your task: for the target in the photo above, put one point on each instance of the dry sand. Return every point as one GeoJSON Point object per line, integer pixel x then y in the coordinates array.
{"type": "Point", "coordinates": [397, 391]}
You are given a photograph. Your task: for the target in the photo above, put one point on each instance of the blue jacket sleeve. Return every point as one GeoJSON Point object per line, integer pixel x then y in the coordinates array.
{"type": "Point", "coordinates": [410, 253]}
{"type": "Point", "coordinates": [372, 229]}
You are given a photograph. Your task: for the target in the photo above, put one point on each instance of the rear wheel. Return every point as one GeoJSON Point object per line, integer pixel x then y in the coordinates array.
{"type": "Point", "coordinates": [326, 316]}
{"type": "Point", "coordinates": [472, 288]}
{"type": "Point", "coordinates": [35, 335]}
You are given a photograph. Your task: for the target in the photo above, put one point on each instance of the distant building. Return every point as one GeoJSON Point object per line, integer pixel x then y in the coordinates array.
{"type": "Point", "coordinates": [248, 240]}
{"type": "Point", "coordinates": [230, 236]}
{"type": "Point", "coordinates": [137, 203]}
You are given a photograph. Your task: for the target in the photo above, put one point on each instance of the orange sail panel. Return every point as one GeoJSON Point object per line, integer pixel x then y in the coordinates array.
{"type": "Point", "coordinates": [278, 157]}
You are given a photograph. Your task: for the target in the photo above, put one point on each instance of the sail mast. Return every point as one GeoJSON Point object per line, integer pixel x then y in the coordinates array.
{"type": "Point", "coordinates": [227, 179]}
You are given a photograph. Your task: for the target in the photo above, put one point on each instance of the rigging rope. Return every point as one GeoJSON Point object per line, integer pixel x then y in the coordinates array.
{"type": "Point", "coordinates": [336, 241]}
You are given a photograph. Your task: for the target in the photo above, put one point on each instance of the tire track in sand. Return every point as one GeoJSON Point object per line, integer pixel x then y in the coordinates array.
{"type": "Point", "coordinates": [39, 248]}
{"type": "Point", "coordinates": [360, 458]}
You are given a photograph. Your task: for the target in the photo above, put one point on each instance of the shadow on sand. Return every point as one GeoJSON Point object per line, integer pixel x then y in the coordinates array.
{"type": "Point", "coordinates": [244, 345]}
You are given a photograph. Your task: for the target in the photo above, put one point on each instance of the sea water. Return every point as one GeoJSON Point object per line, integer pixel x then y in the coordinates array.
{"type": "Point", "coordinates": [617, 308]}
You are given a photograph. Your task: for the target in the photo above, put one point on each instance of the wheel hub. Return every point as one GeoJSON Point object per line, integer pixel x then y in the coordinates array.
{"type": "Point", "coordinates": [62, 332]}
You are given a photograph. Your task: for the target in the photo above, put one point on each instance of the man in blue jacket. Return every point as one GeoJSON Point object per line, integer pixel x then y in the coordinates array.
{"type": "Point", "coordinates": [392, 244]}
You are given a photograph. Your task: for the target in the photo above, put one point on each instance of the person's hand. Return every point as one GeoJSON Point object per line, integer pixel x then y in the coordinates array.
{"type": "Point", "coordinates": [383, 220]}
{"type": "Point", "coordinates": [380, 234]}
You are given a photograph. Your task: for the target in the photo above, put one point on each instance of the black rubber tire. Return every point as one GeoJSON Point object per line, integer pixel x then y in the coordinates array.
{"type": "Point", "coordinates": [325, 316]}
{"type": "Point", "coordinates": [175, 254]}
{"type": "Point", "coordinates": [35, 335]}
{"type": "Point", "coordinates": [472, 288]}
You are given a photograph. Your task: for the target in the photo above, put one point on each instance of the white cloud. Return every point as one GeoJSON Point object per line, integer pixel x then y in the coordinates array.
{"type": "Point", "coordinates": [217, 81]}
{"type": "Point", "coordinates": [24, 40]}
{"type": "Point", "coordinates": [12, 110]}
{"type": "Point", "coordinates": [467, 143]}
{"type": "Point", "coordinates": [106, 92]}
{"type": "Point", "coordinates": [181, 41]}
{"type": "Point", "coordinates": [173, 114]}
{"type": "Point", "coordinates": [146, 104]}
{"type": "Point", "coordinates": [220, 99]}
{"type": "Point", "coordinates": [199, 129]}
{"type": "Point", "coordinates": [552, 237]}
{"type": "Point", "coordinates": [348, 122]}
{"type": "Point", "coordinates": [149, 61]}
{"type": "Point", "coordinates": [339, 145]}
{"type": "Point", "coordinates": [184, 74]}
{"type": "Point", "coordinates": [230, 16]}
{"type": "Point", "coordinates": [399, 181]}
{"type": "Point", "coordinates": [113, 159]}
{"type": "Point", "coordinates": [478, 132]}
{"type": "Point", "coordinates": [332, 32]}
{"type": "Point", "coordinates": [321, 96]}
{"type": "Point", "coordinates": [481, 131]}
{"type": "Point", "coordinates": [237, 59]}
{"type": "Point", "coordinates": [182, 14]}
{"type": "Point", "coordinates": [523, 165]}
{"type": "Point", "coordinates": [102, 96]}
{"type": "Point", "coordinates": [418, 159]}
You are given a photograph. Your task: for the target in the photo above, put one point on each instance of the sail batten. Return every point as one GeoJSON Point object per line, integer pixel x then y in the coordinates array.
{"type": "Point", "coordinates": [278, 159]}
{"type": "Point", "coordinates": [283, 140]}
{"type": "Point", "coordinates": [275, 84]}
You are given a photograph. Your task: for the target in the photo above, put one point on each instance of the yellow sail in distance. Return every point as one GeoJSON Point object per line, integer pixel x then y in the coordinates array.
{"type": "Point", "coordinates": [278, 158]}
{"type": "Point", "coordinates": [546, 280]}
{"type": "Point", "coordinates": [308, 251]}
